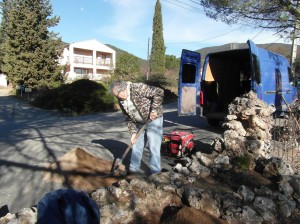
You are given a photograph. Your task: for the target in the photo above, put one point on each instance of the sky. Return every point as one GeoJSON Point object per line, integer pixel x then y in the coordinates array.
{"type": "Point", "coordinates": [127, 24]}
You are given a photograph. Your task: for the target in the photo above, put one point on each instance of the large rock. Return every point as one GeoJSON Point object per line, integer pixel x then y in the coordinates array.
{"type": "Point", "coordinates": [201, 199]}
{"type": "Point", "coordinates": [247, 127]}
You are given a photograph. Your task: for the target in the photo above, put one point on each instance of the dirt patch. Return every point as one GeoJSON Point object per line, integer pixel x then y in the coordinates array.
{"type": "Point", "coordinates": [79, 169]}
{"type": "Point", "coordinates": [189, 215]}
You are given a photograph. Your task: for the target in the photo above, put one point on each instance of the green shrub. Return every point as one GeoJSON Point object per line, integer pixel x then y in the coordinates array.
{"type": "Point", "coordinates": [243, 163]}
{"type": "Point", "coordinates": [79, 97]}
{"type": "Point", "coordinates": [169, 96]}
{"type": "Point", "coordinates": [162, 82]}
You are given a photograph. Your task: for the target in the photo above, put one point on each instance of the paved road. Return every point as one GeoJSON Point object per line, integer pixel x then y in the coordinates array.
{"type": "Point", "coordinates": [31, 137]}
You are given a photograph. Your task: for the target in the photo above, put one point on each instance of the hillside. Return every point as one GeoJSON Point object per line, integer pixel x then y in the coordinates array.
{"type": "Point", "coordinates": [283, 49]}
{"type": "Point", "coordinates": [280, 48]}
{"type": "Point", "coordinates": [143, 62]}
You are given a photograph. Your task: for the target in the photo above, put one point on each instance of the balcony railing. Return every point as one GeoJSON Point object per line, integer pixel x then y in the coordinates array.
{"type": "Point", "coordinates": [104, 62]}
{"type": "Point", "coordinates": [83, 60]}
{"type": "Point", "coordinates": [89, 60]}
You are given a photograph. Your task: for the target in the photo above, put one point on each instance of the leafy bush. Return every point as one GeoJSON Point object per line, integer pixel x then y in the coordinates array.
{"type": "Point", "coordinates": [80, 97]}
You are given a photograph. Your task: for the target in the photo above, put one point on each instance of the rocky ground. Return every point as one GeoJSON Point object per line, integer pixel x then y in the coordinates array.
{"type": "Point", "coordinates": [240, 181]}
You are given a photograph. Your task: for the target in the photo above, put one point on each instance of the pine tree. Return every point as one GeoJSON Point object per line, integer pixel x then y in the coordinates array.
{"type": "Point", "coordinates": [277, 15]}
{"type": "Point", "coordinates": [157, 56]}
{"type": "Point", "coordinates": [30, 50]}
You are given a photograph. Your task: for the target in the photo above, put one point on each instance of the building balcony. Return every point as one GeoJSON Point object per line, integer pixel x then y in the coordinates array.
{"type": "Point", "coordinates": [83, 60]}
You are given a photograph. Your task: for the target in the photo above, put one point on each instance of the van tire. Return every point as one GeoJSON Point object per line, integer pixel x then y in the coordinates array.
{"type": "Point", "coordinates": [213, 122]}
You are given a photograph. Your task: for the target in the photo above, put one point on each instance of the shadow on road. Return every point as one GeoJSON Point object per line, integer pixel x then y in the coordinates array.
{"type": "Point", "coordinates": [117, 148]}
{"type": "Point", "coordinates": [31, 137]}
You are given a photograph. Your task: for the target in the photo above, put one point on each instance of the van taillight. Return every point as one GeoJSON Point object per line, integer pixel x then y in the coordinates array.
{"type": "Point", "coordinates": [201, 98]}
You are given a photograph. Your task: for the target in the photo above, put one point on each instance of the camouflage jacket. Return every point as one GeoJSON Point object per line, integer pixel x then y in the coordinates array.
{"type": "Point", "coordinates": [146, 99]}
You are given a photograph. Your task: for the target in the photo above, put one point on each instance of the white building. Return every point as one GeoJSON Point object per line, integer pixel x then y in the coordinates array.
{"type": "Point", "coordinates": [88, 59]}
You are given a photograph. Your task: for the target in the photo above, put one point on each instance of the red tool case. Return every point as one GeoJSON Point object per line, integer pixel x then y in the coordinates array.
{"type": "Point", "coordinates": [178, 143]}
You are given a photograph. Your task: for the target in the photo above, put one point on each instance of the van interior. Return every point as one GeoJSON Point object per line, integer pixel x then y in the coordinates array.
{"type": "Point", "coordinates": [227, 75]}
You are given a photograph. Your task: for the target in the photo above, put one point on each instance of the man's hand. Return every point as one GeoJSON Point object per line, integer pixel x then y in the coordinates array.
{"type": "Point", "coordinates": [133, 139]}
{"type": "Point", "coordinates": [153, 115]}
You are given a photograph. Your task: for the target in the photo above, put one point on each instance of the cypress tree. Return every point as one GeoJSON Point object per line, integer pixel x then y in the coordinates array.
{"type": "Point", "coordinates": [157, 56]}
{"type": "Point", "coordinates": [30, 50]}
{"type": "Point", "coordinates": [5, 5]}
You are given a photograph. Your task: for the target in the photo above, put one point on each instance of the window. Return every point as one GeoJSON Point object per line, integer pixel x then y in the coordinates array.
{"type": "Point", "coordinates": [188, 73]}
{"type": "Point", "coordinates": [81, 71]}
{"type": "Point", "coordinates": [256, 71]}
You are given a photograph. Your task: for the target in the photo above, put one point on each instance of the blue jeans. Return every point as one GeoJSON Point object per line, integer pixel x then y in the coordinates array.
{"type": "Point", "coordinates": [153, 132]}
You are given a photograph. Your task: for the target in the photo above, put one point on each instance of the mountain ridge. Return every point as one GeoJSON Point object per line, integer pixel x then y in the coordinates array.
{"type": "Point", "coordinates": [279, 48]}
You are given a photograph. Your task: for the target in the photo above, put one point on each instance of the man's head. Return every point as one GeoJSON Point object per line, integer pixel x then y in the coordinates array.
{"type": "Point", "coordinates": [119, 89]}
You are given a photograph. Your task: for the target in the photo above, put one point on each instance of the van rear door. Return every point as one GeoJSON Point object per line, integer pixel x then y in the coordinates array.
{"type": "Point", "coordinates": [256, 71]}
{"type": "Point", "coordinates": [189, 83]}
{"type": "Point", "coordinates": [271, 74]}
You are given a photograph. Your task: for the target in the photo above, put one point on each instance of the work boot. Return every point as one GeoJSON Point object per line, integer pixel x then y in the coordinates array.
{"type": "Point", "coordinates": [138, 172]}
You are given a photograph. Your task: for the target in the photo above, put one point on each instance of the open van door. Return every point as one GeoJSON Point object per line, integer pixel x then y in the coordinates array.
{"type": "Point", "coordinates": [255, 68]}
{"type": "Point", "coordinates": [189, 83]}
{"type": "Point", "coordinates": [271, 74]}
